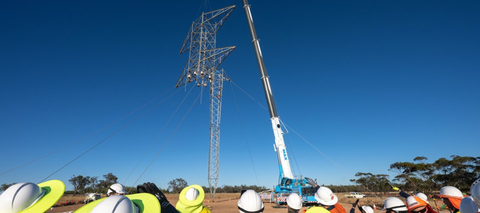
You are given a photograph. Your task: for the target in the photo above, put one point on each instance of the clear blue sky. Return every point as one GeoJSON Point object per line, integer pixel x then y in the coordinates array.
{"type": "Point", "coordinates": [368, 83]}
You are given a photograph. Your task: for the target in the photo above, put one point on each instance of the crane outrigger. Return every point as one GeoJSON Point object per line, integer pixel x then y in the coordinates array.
{"type": "Point", "coordinates": [287, 184]}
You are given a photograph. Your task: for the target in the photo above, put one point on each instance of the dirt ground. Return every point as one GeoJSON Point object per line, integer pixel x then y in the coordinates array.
{"type": "Point", "coordinates": [227, 203]}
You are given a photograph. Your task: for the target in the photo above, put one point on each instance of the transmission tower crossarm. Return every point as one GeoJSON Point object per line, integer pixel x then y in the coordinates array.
{"type": "Point", "coordinates": [225, 12]}
{"type": "Point", "coordinates": [221, 14]}
{"type": "Point", "coordinates": [185, 48]}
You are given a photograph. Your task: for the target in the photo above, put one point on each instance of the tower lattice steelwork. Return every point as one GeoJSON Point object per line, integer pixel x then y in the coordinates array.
{"type": "Point", "coordinates": [202, 68]}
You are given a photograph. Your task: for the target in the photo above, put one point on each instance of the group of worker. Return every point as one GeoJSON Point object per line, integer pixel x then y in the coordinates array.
{"type": "Point", "coordinates": [418, 203]}
{"type": "Point", "coordinates": [38, 198]}
{"type": "Point", "coordinates": [452, 197]}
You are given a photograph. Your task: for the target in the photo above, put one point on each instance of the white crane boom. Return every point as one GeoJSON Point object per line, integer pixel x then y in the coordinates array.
{"type": "Point", "coordinates": [283, 160]}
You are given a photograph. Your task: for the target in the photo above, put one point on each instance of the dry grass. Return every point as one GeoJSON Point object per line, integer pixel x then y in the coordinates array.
{"type": "Point", "coordinates": [69, 198]}
{"type": "Point", "coordinates": [366, 201]}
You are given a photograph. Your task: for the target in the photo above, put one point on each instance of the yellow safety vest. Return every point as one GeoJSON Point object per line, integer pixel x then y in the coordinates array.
{"type": "Point", "coordinates": [317, 209]}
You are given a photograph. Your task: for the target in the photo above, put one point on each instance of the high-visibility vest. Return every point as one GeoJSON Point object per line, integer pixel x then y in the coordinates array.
{"type": "Point", "coordinates": [317, 209]}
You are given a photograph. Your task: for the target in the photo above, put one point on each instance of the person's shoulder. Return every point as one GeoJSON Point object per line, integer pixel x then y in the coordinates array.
{"type": "Point", "coordinates": [338, 208]}
{"type": "Point", "coordinates": [317, 209]}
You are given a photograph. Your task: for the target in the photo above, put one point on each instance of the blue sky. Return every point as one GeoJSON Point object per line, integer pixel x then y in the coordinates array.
{"type": "Point", "coordinates": [368, 83]}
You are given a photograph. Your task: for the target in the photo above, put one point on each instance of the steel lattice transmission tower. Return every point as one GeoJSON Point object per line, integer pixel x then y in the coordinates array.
{"type": "Point", "coordinates": [202, 68]}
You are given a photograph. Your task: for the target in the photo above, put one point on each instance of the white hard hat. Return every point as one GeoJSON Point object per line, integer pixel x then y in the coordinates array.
{"type": "Point", "coordinates": [475, 182]}
{"type": "Point", "coordinates": [367, 209]}
{"type": "Point", "coordinates": [294, 201]}
{"type": "Point", "coordinates": [19, 197]}
{"type": "Point", "coordinates": [475, 190]}
{"type": "Point", "coordinates": [115, 204]}
{"type": "Point", "coordinates": [468, 205]}
{"type": "Point", "coordinates": [116, 188]}
{"type": "Point", "coordinates": [191, 194]}
{"type": "Point", "coordinates": [30, 197]}
{"type": "Point", "coordinates": [422, 196]}
{"type": "Point", "coordinates": [414, 202]}
{"type": "Point", "coordinates": [250, 202]}
{"type": "Point", "coordinates": [135, 203]}
{"type": "Point", "coordinates": [325, 196]}
{"type": "Point", "coordinates": [395, 204]}
{"type": "Point", "coordinates": [450, 191]}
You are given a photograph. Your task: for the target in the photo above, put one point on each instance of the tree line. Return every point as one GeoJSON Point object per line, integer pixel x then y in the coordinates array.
{"type": "Point", "coordinates": [176, 186]}
{"type": "Point", "coordinates": [418, 175]}
{"type": "Point", "coordinates": [87, 184]}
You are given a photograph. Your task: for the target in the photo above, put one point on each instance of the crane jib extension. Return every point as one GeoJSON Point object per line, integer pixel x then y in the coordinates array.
{"type": "Point", "coordinates": [287, 183]}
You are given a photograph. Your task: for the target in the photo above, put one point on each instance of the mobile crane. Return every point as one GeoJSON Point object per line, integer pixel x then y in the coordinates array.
{"type": "Point", "coordinates": [287, 184]}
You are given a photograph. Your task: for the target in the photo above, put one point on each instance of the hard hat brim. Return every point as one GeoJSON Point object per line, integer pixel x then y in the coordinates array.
{"type": "Point", "coordinates": [144, 201]}
{"type": "Point", "coordinates": [54, 190]}
{"type": "Point", "coordinates": [449, 196]}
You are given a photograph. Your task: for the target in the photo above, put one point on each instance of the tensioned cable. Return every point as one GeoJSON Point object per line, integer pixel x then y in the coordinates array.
{"type": "Point", "coordinates": [265, 108]}
{"type": "Point", "coordinates": [316, 148]}
{"type": "Point", "coordinates": [90, 135]}
{"type": "Point", "coordinates": [100, 142]}
{"type": "Point", "coordinates": [160, 132]}
{"type": "Point", "coordinates": [325, 156]}
{"type": "Point", "coordinates": [244, 132]}
{"type": "Point", "coordinates": [205, 6]}
{"type": "Point", "coordinates": [168, 140]}
{"type": "Point", "coordinates": [299, 136]}
{"type": "Point", "coordinates": [295, 132]}
{"type": "Point", "coordinates": [293, 154]}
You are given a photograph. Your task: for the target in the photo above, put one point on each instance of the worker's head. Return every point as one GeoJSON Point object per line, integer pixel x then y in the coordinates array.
{"type": "Point", "coordinates": [366, 209]}
{"type": "Point", "coordinates": [136, 203]}
{"type": "Point", "coordinates": [394, 205]}
{"type": "Point", "coordinates": [325, 196]}
{"type": "Point", "coordinates": [451, 196]}
{"type": "Point", "coordinates": [294, 201]}
{"type": "Point", "coordinates": [116, 204]}
{"type": "Point", "coordinates": [475, 190]}
{"type": "Point", "coordinates": [191, 194]}
{"type": "Point", "coordinates": [116, 189]}
{"type": "Point", "coordinates": [422, 196]}
{"type": "Point", "coordinates": [35, 198]}
{"type": "Point", "coordinates": [416, 204]}
{"type": "Point", "coordinates": [191, 199]}
{"type": "Point", "coordinates": [250, 202]}
{"type": "Point", "coordinates": [468, 205]}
